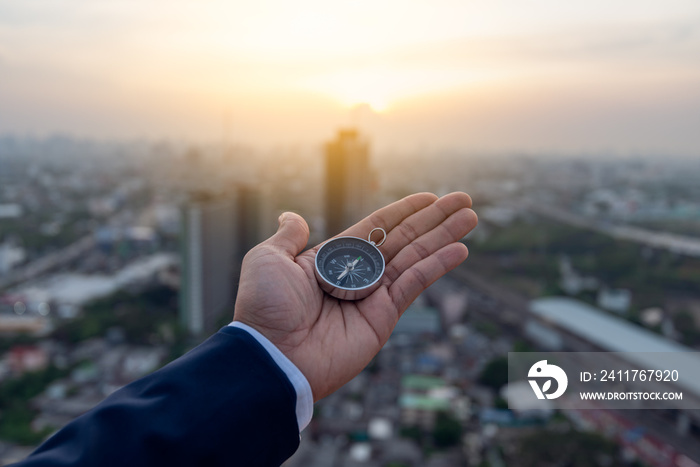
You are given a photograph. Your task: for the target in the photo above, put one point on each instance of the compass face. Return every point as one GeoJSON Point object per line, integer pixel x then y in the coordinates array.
{"type": "Point", "coordinates": [349, 267]}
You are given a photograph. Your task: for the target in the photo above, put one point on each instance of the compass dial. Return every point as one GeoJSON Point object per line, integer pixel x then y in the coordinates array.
{"type": "Point", "coordinates": [349, 267]}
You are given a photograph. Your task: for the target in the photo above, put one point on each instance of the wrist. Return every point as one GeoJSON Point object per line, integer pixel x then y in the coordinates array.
{"type": "Point", "coordinates": [305, 399]}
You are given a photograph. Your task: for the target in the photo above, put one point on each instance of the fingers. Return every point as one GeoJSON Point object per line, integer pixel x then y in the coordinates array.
{"type": "Point", "coordinates": [424, 221]}
{"type": "Point", "coordinates": [449, 231]}
{"type": "Point", "coordinates": [418, 277]}
{"type": "Point", "coordinates": [390, 216]}
{"type": "Point", "coordinates": [292, 234]}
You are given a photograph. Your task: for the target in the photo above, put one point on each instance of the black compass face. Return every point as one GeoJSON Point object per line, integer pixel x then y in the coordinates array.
{"type": "Point", "coordinates": [349, 263]}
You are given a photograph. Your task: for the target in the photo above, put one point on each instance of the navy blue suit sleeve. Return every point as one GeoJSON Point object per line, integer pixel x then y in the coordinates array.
{"type": "Point", "coordinates": [225, 403]}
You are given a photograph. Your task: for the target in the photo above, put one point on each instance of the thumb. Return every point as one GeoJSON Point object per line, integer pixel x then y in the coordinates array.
{"type": "Point", "coordinates": [292, 234]}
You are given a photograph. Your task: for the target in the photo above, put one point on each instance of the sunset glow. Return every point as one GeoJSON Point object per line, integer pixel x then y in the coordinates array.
{"type": "Point", "coordinates": [135, 68]}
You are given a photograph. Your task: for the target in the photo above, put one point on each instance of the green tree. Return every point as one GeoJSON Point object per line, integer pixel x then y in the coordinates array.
{"type": "Point", "coordinates": [684, 322]}
{"type": "Point", "coordinates": [495, 373]}
{"type": "Point", "coordinates": [412, 432]}
{"type": "Point", "coordinates": [139, 315]}
{"type": "Point", "coordinates": [16, 414]}
{"type": "Point", "coordinates": [571, 448]}
{"type": "Point", "coordinates": [447, 431]}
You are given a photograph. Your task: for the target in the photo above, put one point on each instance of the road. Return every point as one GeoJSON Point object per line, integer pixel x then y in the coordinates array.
{"type": "Point", "coordinates": [688, 246]}
{"type": "Point", "coordinates": [48, 262]}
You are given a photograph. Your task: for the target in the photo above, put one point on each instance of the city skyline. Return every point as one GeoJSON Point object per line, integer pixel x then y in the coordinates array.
{"type": "Point", "coordinates": [100, 242]}
{"type": "Point", "coordinates": [537, 77]}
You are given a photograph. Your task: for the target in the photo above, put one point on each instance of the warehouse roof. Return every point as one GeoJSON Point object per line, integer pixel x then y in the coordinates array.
{"type": "Point", "coordinates": [614, 334]}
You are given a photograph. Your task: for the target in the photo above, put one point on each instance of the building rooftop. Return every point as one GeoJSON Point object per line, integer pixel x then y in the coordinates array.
{"type": "Point", "coordinates": [419, 320]}
{"type": "Point", "coordinates": [413, 401]}
{"type": "Point", "coordinates": [600, 328]}
{"type": "Point", "coordinates": [421, 382]}
{"type": "Point", "coordinates": [645, 349]}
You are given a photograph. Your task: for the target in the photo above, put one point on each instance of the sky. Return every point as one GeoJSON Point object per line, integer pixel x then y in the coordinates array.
{"type": "Point", "coordinates": [599, 76]}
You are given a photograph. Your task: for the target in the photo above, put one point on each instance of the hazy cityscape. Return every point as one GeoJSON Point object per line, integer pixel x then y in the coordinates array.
{"type": "Point", "coordinates": [116, 258]}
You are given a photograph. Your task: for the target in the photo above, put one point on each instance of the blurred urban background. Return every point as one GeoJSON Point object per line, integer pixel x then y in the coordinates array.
{"type": "Point", "coordinates": [143, 152]}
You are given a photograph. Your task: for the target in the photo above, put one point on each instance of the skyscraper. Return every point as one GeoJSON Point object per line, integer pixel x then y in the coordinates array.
{"type": "Point", "coordinates": [248, 219]}
{"type": "Point", "coordinates": [348, 180]}
{"type": "Point", "coordinates": [217, 231]}
{"type": "Point", "coordinates": [208, 262]}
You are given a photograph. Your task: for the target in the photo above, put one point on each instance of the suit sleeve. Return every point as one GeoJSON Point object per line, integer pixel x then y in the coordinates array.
{"type": "Point", "coordinates": [225, 403]}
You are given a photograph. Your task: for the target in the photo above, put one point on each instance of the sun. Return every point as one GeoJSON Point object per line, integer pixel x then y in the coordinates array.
{"type": "Point", "coordinates": [354, 95]}
{"type": "Point", "coordinates": [353, 88]}
{"type": "Point", "coordinates": [379, 106]}
{"type": "Point", "coordinates": [376, 104]}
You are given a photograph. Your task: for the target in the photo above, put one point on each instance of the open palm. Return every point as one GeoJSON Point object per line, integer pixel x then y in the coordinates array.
{"type": "Point", "coordinates": [332, 340]}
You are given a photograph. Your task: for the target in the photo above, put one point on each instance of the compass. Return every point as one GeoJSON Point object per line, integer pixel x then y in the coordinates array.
{"type": "Point", "coordinates": [349, 268]}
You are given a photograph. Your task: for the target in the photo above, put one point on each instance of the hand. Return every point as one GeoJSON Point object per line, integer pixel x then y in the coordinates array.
{"type": "Point", "coordinates": [332, 340]}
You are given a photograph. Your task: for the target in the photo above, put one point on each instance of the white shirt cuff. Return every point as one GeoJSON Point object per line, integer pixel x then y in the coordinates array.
{"type": "Point", "coordinates": [305, 398]}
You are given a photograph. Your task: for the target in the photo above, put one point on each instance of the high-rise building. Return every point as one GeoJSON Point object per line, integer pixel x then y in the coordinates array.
{"type": "Point", "coordinates": [217, 231]}
{"type": "Point", "coordinates": [248, 219]}
{"type": "Point", "coordinates": [348, 180]}
{"type": "Point", "coordinates": [208, 262]}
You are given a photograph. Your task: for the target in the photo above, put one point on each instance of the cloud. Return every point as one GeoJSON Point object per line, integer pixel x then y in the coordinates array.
{"type": "Point", "coordinates": [664, 41]}
{"type": "Point", "coordinates": [117, 67]}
